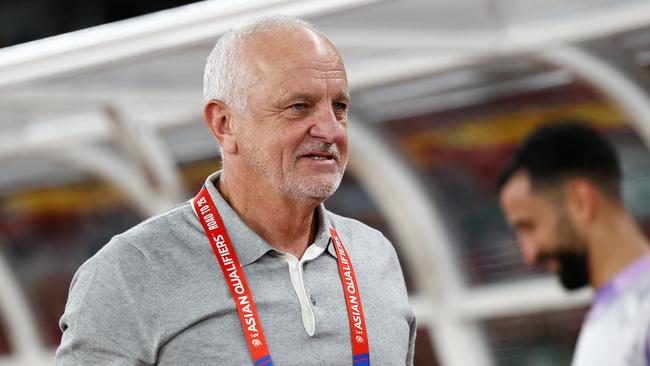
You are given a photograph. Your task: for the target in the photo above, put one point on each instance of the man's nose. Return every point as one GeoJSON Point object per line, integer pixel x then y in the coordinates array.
{"type": "Point", "coordinates": [529, 251]}
{"type": "Point", "coordinates": [327, 126]}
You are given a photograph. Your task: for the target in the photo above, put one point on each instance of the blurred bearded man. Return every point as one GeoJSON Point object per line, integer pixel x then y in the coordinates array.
{"type": "Point", "coordinates": [561, 193]}
{"type": "Point", "coordinates": [254, 269]}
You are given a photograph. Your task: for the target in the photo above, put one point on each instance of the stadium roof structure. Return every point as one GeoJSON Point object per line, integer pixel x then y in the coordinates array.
{"type": "Point", "coordinates": [123, 101]}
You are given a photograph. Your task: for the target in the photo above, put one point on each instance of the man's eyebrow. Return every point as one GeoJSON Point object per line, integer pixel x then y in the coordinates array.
{"type": "Point", "coordinates": [302, 95]}
{"type": "Point", "coordinates": [344, 96]}
{"type": "Point", "coordinates": [299, 96]}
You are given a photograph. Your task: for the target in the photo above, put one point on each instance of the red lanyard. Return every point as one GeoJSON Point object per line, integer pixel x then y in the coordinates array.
{"type": "Point", "coordinates": [234, 275]}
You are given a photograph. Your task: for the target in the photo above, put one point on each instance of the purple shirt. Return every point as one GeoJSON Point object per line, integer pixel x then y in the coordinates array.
{"type": "Point", "coordinates": [616, 286]}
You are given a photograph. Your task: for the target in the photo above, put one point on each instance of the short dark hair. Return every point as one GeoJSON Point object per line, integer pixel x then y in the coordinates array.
{"type": "Point", "coordinates": [566, 149]}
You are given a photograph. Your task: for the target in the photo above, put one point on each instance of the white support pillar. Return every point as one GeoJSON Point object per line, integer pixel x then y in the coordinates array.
{"type": "Point", "coordinates": [405, 203]}
{"type": "Point", "coordinates": [120, 172]}
{"type": "Point", "coordinates": [144, 145]}
{"type": "Point", "coordinates": [74, 140]}
{"type": "Point", "coordinates": [618, 78]}
{"type": "Point", "coordinates": [22, 331]}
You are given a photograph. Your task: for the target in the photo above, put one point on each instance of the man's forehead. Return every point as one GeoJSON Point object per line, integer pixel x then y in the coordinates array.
{"type": "Point", "coordinates": [517, 200]}
{"type": "Point", "coordinates": [518, 186]}
{"type": "Point", "coordinates": [520, 197]}
{"type": "Point", "coordinates": [296, 73]}
{"type": "Point", "coordinates": [288, 48]}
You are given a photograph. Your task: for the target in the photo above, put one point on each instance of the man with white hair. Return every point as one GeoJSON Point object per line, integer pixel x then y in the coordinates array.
{"type": "Point", "coordinates": [253, 269]}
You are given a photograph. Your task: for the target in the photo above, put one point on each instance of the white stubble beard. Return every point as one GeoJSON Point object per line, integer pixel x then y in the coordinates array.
{"type": "Point", "coordinates": [293, 185]}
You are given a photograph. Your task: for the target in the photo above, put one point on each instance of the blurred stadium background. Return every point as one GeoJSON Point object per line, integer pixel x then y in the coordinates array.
{"type": "Point", "coordinates": [100, 127]}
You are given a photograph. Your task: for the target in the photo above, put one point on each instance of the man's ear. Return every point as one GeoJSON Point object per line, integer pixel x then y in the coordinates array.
{"type": "Point", "coordinates": [582, 200]}
{"type": "Point", "coordinates": [218, 117]}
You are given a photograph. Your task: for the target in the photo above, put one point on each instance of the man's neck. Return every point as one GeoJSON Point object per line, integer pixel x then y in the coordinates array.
{"type": "Point", "coordinates": [615, 247]}
{"type": "Point", "coordinates": [287, 225]}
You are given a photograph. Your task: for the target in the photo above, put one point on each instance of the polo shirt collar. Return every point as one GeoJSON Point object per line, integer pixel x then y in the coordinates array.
{"type": "Point", "coordinates": [323, 237]}
{"type": "Point", "coordinates": [248, 245]}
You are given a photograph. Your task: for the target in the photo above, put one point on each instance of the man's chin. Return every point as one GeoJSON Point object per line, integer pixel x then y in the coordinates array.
{"type": "Point", "coordinates": [574, 274]}
{"type": "Point", "coordinates": [314, 188]}
{"type": "Point", "coordinates": [571, 284]}
{"type": "Point", "coordinates": [321, 191]}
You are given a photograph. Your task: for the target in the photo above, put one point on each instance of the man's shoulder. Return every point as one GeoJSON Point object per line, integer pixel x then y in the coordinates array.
{"type": "Point", "coordinates": [140, 254]}
{"type": "Point", "coordinates": [153, 233]}
{"type": "Point", "coordinates": [344, 224]}
{"type": "Point", "coordinates": [374, 256]}
{"type": "Point", "coordinates": [176, 218]}
{"type": "Point", "coordinates": [357, 233]}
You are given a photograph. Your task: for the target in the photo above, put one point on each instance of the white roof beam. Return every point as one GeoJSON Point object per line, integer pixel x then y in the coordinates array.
{"type": "Point", "coordinates": [178, 27]}
{"type": "Point", "coordinates": [599, 22]}
{"type": "Point", "coordinates": [432, 52]}
{"type": "Point", "coordinates": [413, 39]}
{"type": "Point", "coordinates": [75, 95]}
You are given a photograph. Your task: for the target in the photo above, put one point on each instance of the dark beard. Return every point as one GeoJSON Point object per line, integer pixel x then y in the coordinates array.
{"type": "Point", "coordinates": [574, 270]}
{"type": "Point", "coordinates": [572, 258]}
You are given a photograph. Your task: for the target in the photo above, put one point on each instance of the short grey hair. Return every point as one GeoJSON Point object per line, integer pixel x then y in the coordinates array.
{"type": "Point", "coordinates": [223, 77]}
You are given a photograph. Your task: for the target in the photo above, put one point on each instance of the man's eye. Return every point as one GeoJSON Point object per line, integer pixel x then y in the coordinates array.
{"type": "Point", "coordinates": [299, 106]}
{"type": "Point", "coordinates": [341, 107]}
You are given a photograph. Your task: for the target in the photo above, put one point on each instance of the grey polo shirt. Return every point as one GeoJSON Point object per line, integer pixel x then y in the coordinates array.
{"type": "Point", "coordinates": [155, 295]}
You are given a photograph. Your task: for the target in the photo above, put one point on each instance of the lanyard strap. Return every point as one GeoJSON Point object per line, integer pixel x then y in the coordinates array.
{"type": "Point", "coordinates": [360, 351]}
{"type": "Point", "coordinates": [234, 275]}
